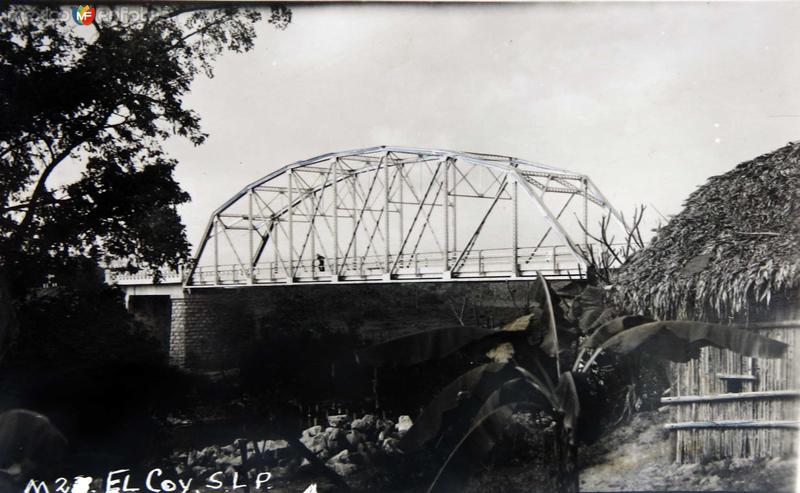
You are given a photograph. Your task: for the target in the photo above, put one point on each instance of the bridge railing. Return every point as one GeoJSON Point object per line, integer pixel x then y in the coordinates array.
{"type": "Point", "coordinates": [552, 261]}
{"type": "Point", "coordinates": [489, 263]}
{"type": "Point", "coordinates": [144, 276]}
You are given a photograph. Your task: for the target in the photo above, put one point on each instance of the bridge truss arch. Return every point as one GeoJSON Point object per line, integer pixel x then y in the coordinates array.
{"type": "Point", "coordinates": [386, 213]}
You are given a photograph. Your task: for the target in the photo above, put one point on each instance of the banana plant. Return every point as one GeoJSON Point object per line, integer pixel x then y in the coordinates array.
{"type": "Point", "coordinates": [562, 340]}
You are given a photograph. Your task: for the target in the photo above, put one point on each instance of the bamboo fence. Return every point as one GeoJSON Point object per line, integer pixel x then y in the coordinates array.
{"type": "Point", "coordinates": [710, 421]}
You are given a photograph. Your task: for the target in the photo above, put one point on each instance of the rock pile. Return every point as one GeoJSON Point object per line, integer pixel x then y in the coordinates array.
{"type": "Point", "coordinates": [209, 460]}
{"type": "Point", "coordinates": [344, 445]}
{"type": "Point", "coordinates": [347, 444]}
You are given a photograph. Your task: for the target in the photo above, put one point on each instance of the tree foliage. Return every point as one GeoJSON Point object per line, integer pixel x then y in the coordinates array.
{"type": "Point", "coordinates": [102, 99]}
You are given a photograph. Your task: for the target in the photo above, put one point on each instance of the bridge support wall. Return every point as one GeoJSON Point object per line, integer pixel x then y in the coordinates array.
{"type": "Point", "coordinates": [177, 333]}
{"type": "Point", "coordinates": [209, 330]}
{"type": "Point", "coordinates": [213, 329]}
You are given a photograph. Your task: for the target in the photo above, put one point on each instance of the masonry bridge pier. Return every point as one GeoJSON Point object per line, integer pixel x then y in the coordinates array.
{"type": "Point", "coordinates": [385, 217]}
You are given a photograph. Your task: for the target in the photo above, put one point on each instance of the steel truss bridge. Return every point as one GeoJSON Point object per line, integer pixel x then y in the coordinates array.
{"type": "Point", "coordinates": [397, 214]}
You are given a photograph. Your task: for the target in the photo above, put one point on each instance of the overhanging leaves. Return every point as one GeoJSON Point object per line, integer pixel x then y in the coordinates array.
{"type": "Point", "coordinates": [681, 341]}
{"type": "Point", "coordinates": [613, 327]}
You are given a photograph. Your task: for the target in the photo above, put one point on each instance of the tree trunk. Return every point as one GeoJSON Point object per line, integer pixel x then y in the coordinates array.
{"type": "Point", "coordinates": [9, 326]}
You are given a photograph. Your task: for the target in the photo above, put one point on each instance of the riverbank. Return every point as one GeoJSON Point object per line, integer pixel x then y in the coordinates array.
{"type": "Point", "coordinates": [636, 457]}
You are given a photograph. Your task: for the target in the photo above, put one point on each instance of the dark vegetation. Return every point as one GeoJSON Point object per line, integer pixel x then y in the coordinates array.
{"type": "Point", "coordinates": [102, 103]}
{"type": "Point", "coordinates": [566, 365]}
{"type": "Point", "coordinates": [84, 362]}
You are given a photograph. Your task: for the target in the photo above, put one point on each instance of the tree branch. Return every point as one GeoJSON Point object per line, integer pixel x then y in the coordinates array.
{"type": "Point", "coordinates": [28, 204]}
{"type": "Point", "coordinates": [203, 29]}
{"type": "Point", "coordinates": [22, 229]}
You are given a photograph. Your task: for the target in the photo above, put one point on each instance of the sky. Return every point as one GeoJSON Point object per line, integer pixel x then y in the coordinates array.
{"type": "Point", "coordinates": [648, 99]}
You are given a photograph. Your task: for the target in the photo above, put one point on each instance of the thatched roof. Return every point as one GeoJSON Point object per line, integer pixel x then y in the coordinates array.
{"type": "Point", "coordinates": [735, 245]}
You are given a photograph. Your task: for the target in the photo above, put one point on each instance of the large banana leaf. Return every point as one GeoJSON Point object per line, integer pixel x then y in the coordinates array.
{"type": "Point", "coordinates": [421, 346]}
{"type": "Point", "coordinates": [595, 318]}
{"type": "Point", "coordinates": [494, 416]}
{"type": "Point", "coordinates": [481, 438]}
{"type": "Point", "coordinates": [613, 327]}
{"type": "Point", "coordinates": [476, 384]}
{"type": "Point", "coordinates": [569, 404]}
{"type": "Point", "coordinates": [513, 391]}
{"type": "Point", "coordinates": [681, 341]}
{"type": "Point", "coordinates": [552, 320]}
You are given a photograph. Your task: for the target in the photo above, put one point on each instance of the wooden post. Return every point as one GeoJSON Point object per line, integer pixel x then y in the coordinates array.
{"type": "Point", "coordinates": [767, 394]}
{"type": "Point", "coordinates": [732, 425]}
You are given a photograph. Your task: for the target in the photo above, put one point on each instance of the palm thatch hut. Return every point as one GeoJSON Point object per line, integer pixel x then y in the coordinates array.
{"type": "Point", "coordinates": [731, 256]}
